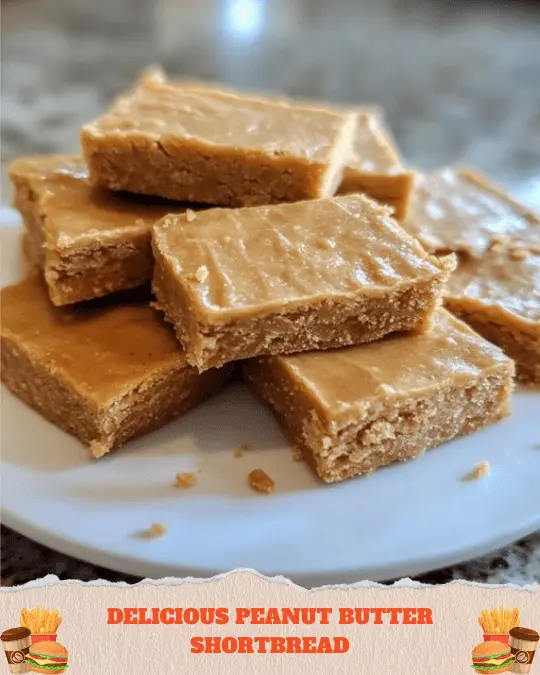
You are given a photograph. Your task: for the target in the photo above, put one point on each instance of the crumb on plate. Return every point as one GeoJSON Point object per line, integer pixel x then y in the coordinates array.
{"type": "Point", "coordinates": [156, 530]}
{"type": "Point", "coordinates": [480, 470]}
{"type": "Point", "coordinates": [260, 481]}
{"type": "Point", "coordinates": [239, 452]}
{"type": "Point", "coordinates": [185, 479]}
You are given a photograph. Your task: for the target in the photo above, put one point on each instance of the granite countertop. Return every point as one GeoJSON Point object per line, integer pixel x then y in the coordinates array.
{"type": "Point", "coordinates": [459, 82]}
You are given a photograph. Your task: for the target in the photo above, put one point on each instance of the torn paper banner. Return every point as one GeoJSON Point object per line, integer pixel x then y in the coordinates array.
{"type": "Point", "coordinates": [244, 622]}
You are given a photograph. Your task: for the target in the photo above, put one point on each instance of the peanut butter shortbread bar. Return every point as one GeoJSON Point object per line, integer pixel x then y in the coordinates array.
{"type": "Point", "coordinates": [288, 278]}
{"type": "Point", "coordinates": [373, 165]}
{"type": "Point", "coordinates": [499, 296]}
{"type": "Point", "coordinates": [459, 210]}
{"type": "Point", "coordinates": [88, 241]}
{"type": "Point", "coordinates": [104, 371]}
{"type": "Point", "coordinates": [214, 147]}
{"type": "Point", "coordinates": [351, 411]}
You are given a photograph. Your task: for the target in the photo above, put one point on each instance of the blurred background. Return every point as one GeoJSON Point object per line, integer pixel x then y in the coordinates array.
{"type": "Point", "coordinates": [459, 79]}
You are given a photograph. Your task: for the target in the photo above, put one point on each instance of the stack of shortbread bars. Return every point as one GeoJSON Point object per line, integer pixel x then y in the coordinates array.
{"type": "Point", "coordinates": [205, 234]}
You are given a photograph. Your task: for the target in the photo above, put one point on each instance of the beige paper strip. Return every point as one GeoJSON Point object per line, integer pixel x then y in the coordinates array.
{"type": "Point", "coordinates": [438, 648]}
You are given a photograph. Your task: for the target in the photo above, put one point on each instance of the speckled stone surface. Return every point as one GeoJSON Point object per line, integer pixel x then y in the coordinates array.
{"type": "Point", "coordinates": [460, 81]}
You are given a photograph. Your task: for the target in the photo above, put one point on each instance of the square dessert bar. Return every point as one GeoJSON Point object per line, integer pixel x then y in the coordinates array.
{"type": "Point", "coordinates": [351, 411]}
{"type": "Point", "coordinates": [88, 241]}
{"type": "Point", "coordinates": [292, 277]}
{"type": "Point", "coordinates": [214, 147]}
{"type": "Point", "coordinates": [459, 210]}
{"type": "Point", "coordinates": [374, 166]}
{"type": "Point", "coordinates": [499, 296]}
{"type": "Point", "coordinates": [104, 372]}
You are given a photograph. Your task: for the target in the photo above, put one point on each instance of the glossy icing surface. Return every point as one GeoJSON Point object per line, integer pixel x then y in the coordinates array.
{"type": "Point", "coordinates": [455, 210]}
{"type": "Point", "coordinates": [103, 349]}
{"type": "Point", "coordinates": [344, 382]}
{"type": "Point", "coordinates": [73, 209]}
{"type": "Point", "coordinates": [167, 112]}
{"type": "Point", "coordinates": [274, 255]}
{"type": "Point", "coordinates": [373, 150]}
{"type": "Point", "coordinates": [506, 279]}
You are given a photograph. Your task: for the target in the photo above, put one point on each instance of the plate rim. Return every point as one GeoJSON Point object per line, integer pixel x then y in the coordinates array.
{"type": "Point", "coordinates": [129, 565]}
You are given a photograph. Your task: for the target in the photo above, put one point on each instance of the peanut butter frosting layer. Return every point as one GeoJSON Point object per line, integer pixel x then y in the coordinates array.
{"type": "Point", "coordinates": [456, 209]}
{"type": "Point", "coordinates": [278, 256]}
{"type": "Point", "coordinates": [372, 150]}
{"type": "Point", "coordinates": [343, 383]}
{"type": "Point", "coordinates": [506, 280]}
{"type": "Point", "coordinates": [167, 112]}
{"type": "Point", "coordinates": [102, 349]}
{"type": "Point", "coordinates": [74, 211]}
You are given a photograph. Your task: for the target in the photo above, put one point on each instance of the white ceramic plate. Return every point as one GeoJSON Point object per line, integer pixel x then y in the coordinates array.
{"type": "Point", "coordinates": [403, 520]}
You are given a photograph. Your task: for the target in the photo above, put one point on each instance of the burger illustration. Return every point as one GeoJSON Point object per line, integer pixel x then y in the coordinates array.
{"type": "Point", "coordinates": [492, 657]}
{"type": "Point", "coordinates": [47, 657]}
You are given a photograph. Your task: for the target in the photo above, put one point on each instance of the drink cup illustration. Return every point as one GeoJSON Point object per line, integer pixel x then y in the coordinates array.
{"type": "Point", "coordinates": [523, 643]}
{"type": "Point", "coordinates": [16, 643]}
